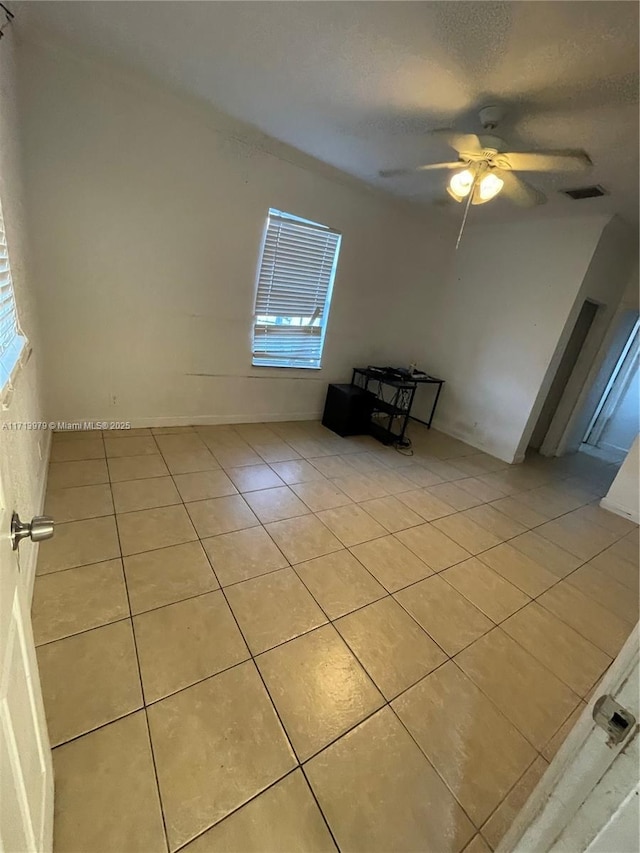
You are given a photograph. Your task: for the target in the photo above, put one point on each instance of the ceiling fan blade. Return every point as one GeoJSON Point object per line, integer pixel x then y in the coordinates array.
{"type": "Point", "coordinates": [519, 191]}
{"type": "Point", "coordinates": [460, 142]}
{"type": "Point", "coordinates": [392, 173]}
{"type": "Point", "coordinates": [566, 160]}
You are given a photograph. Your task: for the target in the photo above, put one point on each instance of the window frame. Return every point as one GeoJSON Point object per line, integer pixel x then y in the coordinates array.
{"type": "Point", "coordinates": [18, 349]}
{"type": "Point", "coordinates": [324, 318]}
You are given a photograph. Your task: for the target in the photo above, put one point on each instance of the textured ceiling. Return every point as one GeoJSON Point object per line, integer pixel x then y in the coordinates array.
{"type": "Point", "coordinates": [359, 84]}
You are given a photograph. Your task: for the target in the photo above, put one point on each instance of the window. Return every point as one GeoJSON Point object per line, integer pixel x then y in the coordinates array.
{"type": "Point", "coordinates": [297, 269]}
{"type": "Point", "coordinates": [12, 342]}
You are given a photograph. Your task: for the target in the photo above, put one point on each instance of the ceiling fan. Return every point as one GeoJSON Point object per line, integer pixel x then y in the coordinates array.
{"type": "Point", "coordinates": [485, 168]}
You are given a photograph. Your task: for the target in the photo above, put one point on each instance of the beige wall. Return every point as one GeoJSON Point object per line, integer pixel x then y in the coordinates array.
{"type": "Point", "coordinates": [149, 219]}
{"type": "Point", "coordinates": [23, 452]}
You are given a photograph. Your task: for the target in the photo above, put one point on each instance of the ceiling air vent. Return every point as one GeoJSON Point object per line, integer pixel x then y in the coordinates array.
{"type": "Point", "coordinates": [585, 192]}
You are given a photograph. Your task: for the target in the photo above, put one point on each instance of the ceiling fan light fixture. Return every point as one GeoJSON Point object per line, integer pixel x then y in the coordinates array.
{"type": "Point", "coordinates": [461, 183]}
{"type": "Point", "coordinates": [489, 186]}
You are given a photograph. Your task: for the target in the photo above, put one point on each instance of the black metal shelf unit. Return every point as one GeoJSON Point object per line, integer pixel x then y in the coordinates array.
{"type": "Point", "coordinates": [393, 400]}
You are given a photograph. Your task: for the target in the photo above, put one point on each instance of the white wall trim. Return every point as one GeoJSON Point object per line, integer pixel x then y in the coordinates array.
{"type": "Point", "coordinates": [618, 509]}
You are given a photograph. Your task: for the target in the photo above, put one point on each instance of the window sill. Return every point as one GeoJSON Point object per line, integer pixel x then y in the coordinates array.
{"type": "Point", "coordinates": [11, 364]}
{"type": "Point", "coordinates": [280, 366]}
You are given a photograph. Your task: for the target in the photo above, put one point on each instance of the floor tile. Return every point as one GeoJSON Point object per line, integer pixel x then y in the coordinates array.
{"type": "Point", "coordinates": [534, 699]}
{"type": "Point", "coordinates": [113, 766]}
{"type": "Point", "coordinates": [597, 624]}
{"type": "Point", "coordinates": [359, 487]}
{"type": "Point", "coordinates": [594, 514]}
{"type": "Point", "coordinates": [76, 450]}
{"type": "Point", "coordinates": [216, 745]}
{"type": "Point", "coordinates": [507, 811]}
{"type": "Point", "coordinates": [476, 750]}
{"type": "Point", "coordinates": [243, 554]}
{"type": "Point", "coordinates": [379, 793]}
{"type": "Point", "coordinates": [133, 495]}
{"type": "Point", "coordinates": [445, 470]}
{"type": "Point", "coordinates": [519, 569]}
{"type": "Point", "coordinates": [185, 642]}
{"type": "Point", "coordinates": [321, 494]}
{"type": "Point", "coordinates": [78, 599]}
{"type": "Point", "coordinates": [391, 562]}
{"type": "Point", "coordinates": [422, 476]}
{"type": "Point", "coordinates": [351, 524]}
{"type": "Point", "coordinates": [296, 471]}
{"type": "Point", "coordinates": [303, 538]}
{"type": "Point", "coordinates": [606, 591]}
{"type": "Point", "coordinates": [574, 534]}
{"type": "Point", "coordinates": [389, 644]}
{"type": "Point", "coordinates": [448, 617]}
{"type": "Point", "coordinates": [425, 504]}
{"type": "Point", "coordinates": [276, 452]}
{"type": "Point", "coordinates": [123, 468]}
{"type": "Point", "coordinates": [234, 457]}
{"type": "Point", "coordinates": [283, 818]}
{"type": "Point", "coordinates": [201, 485]}
{"type": "Point", "coordinates": [392, 482]}
{"type": "Point", "coordinates": [79, 502]}
{"type": "Point", "coordinates": [191, 461]}
{"type": "Point", "coordinates": [274, 608]}
{"type": "Point", "coordinates": [495, 522]}
{"type": "Point", "coordinates": [251, 478]}
{"type": "Point", "coordinates": [88, 680]}
{"type": "Point", "coordinates": [618, 569]}
{"type": "Point", "coordinates": [318, 687]}
{"type": "Point", "coordinates": [432, 546]}
{"type": "Point", "coordinates": [519, 512]}
{"type": "Point", "coordinates": [275, 504]}
{"type": "Point", "coordinates": [552, 747]}
{"type": "Point", "coordinates": [332, 466]}
{"type": "Point", "coordinates": [453, 495]}
{"type": "Point", "coordinates": [466, 533]}
{"type": "Point", "coordinates": [339, 583]}
{"type": "Point", "coordinates": [391, 513]}
{"type": "Point", "coordinates": [78, 543]}
{"type": "Point", "coordinates": [627, 548]}
{"type": "Point", "coordinates": [550, 501]}
{"type": "Point", "coordinates": [566, 653]}
{"type": "Point", "coordinates": [221, 515]}
{"type": "Point", "coordinates": [486, 589]}
{"type": "Point", "coordinates": [184, 442]}
{"type": "Point", "coordinates": [156, 578]}
{"type": "Point", "coordinates": [63, 475]}
{"type": "Point", "coordinates": [477, 845]}
{"type": "Point", "coordinates": [479, 489]}
{"type": "Point", "coordinates": [364, 463]}
{"type": "Point", "coordinates": [130, 446]}
{"type": "Point", "coordinates": [149, 529]}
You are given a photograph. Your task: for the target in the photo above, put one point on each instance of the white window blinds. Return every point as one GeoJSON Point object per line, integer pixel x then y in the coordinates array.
{"type": "Point", "coordinates": [295, 281]}
{"type": "Point", "coordinates": [11, 341]}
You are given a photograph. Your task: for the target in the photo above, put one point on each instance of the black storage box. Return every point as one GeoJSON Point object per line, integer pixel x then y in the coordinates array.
{"type": "Point", "coordinates": [347, 409]}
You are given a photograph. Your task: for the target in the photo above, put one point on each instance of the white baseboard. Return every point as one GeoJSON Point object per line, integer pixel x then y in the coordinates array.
{"type": "Point", "coordinates": [197, 420]}
{"type": "Point", "coordinates": [625, 512]}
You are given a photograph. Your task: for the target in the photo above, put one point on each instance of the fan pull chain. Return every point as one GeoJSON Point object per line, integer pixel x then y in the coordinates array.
{"type": "Point", "coordinates": [466, 209]}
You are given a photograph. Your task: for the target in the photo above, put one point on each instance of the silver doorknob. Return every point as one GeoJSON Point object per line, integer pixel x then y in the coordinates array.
{"type": "Point", "coordinates": [40, 527]}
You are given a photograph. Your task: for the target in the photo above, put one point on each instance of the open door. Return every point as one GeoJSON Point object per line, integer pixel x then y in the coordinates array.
{"type": "Point", "coordinates": [588, 799]}
{"type": "Point", "coordinates": [26, 773]}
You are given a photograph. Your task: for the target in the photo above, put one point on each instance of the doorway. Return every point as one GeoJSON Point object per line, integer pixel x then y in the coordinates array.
{"type": "Point", "coordinates": [616, 419]}
{"type": "Point", "coordinates": [572, 351]}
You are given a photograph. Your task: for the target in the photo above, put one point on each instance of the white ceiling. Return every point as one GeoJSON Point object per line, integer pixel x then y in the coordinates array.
{"type": "Point", "coordinates": [359, 84]}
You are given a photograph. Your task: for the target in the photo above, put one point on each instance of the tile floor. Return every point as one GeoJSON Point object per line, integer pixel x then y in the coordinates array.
{"type": "Point", "coordinates": [269, 638]}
